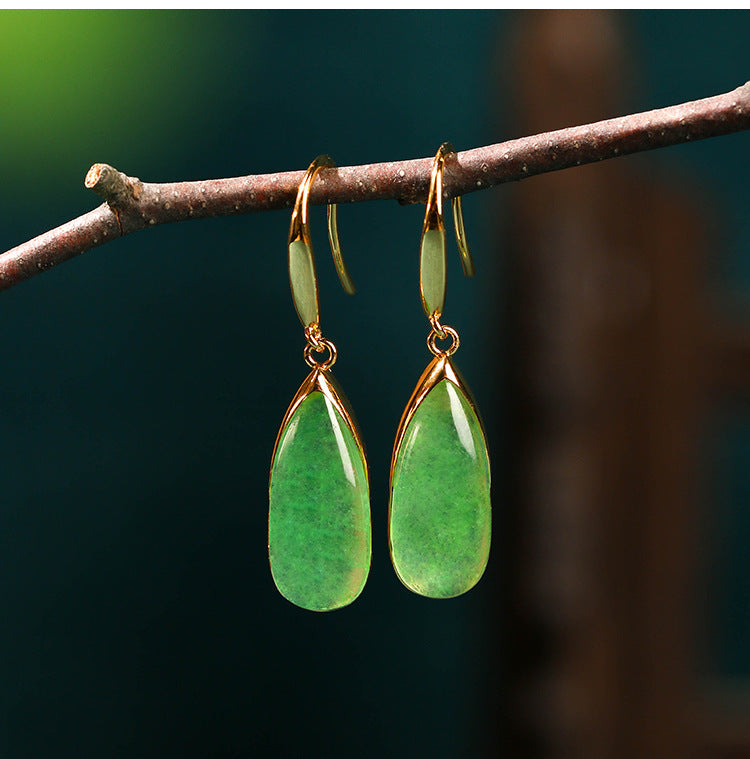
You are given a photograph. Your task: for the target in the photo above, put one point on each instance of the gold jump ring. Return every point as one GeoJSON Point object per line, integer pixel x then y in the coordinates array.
{"type": "Point", "coordinates": [323, 346]}
{"type": "Point", "coordinates": [435, 335]}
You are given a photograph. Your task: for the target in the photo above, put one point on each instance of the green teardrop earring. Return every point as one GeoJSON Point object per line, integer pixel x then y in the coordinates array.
{"type": "Point", "coordinates": [319, 532]}
{"type": "Point", "coordinates": [439, 521]}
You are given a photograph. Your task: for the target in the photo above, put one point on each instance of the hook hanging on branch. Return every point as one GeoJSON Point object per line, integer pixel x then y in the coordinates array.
{"type": "Point", "coordinates": [132, 205]}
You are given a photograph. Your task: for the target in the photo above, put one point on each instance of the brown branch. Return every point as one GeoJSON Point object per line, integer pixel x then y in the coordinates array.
{"type": "Point", "coordinates": [131, 204]}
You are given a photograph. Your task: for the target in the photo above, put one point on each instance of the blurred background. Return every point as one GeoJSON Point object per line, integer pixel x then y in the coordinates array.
{"type": "Point", "coordinates": [606, 339]}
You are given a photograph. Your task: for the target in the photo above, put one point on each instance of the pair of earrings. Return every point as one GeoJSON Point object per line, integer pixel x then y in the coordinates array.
{"type": "Point", "coordinates": [319, 528]}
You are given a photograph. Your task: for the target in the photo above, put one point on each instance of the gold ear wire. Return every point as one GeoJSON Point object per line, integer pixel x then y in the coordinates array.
{"type": "Point", "coordinates": [467, 262]}
{"type": "Point", "coordinates": [302, 275]}
{"type": "Point", "coordinates": [432, 276]}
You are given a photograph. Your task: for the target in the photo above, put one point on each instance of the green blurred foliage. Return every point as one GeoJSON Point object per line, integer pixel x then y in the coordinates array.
{"type": "Point", "coordinates": [79, 86]}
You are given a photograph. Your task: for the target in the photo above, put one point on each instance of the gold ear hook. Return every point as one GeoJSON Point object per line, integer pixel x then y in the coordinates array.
{"type": "Point", "coordinates": [302, 275]}
{"type": "Point", "coordinates": [432, 275]}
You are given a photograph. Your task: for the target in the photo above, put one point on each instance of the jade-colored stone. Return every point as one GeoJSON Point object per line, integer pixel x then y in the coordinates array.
{"type": "Point", "coordinates": [304, 282]}
{"type": "Point", "coordinates": [440, 521]}
{"type": "Point", "coordinates": [319, 535]}
{"type": "Point", "coordinates": [432, 270]}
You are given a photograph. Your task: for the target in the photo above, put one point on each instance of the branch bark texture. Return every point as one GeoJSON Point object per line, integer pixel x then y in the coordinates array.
{"type": "Point", "coordinates": [131, 205]}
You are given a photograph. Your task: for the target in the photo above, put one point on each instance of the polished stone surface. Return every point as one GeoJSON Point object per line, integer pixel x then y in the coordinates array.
{"type": "Point", "coordinates": [440, 520]}
{"type": "Point", "coordinates": [319, 533]}
{"type": "Point", "coordinates": [432, 270]}
{"type": "Point", "coordinates": [303, 281]}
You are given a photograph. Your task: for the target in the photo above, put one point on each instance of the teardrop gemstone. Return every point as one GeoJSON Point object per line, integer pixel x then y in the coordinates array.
{"type": "Point", "coordinates": [440, 520]}
{"type": "Point", "coordinates": [319, 534]}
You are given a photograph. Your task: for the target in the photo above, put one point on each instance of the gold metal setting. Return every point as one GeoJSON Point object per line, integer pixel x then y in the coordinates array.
{"type": "Point", "coordinates": [433, 219]}
{"type": "Point", "coordinates": [440, 368]}
{"type": "Point", "coordinates": [434, 222]}
{"type": "Point", "coordinates": [437, 327]}
{"type": "Point", "coordinates": [305, 287]}
{"type": "Point", "coordinates": [319, 380]}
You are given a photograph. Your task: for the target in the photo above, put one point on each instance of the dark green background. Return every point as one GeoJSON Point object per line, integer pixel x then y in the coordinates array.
{"type": "Point", "coordinates": [143, 383]}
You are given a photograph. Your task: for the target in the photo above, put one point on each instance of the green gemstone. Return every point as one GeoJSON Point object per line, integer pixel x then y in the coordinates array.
{"type": "Point", "coordinates": [440, 521]}
{"type": "Point", "coordinates": [319, 533]}
{"type": "Point", "coordinates": [304, 282]}
{"type": "Point", "coordinates": [432, 270]}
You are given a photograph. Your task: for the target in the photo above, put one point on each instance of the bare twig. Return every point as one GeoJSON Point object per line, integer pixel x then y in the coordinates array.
{"type": "Point", "coordinates": [131, 204]}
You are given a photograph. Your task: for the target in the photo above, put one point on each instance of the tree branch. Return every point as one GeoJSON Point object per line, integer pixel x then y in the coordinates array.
{"type": "Point", "coordinates": [131, 204]}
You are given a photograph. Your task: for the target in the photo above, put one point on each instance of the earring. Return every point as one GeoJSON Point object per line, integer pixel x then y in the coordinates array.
{"type": "Point", "coordinates": [439, 520]}
{"type": "Point", "coordinates": [319, 531]}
